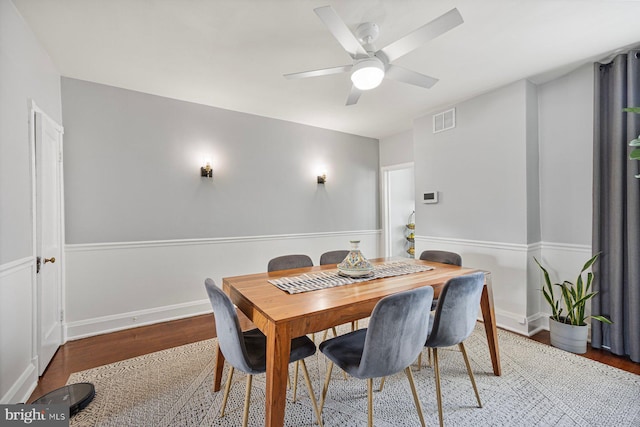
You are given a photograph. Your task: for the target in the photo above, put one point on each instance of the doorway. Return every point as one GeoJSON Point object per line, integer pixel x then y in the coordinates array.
{"type": "Point", "coordinates": [398, 199]}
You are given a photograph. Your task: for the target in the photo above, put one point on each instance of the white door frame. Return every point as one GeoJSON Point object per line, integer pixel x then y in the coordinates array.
{"type": "Point", "coordinates": [385, 196]}
{"type": "Point", "coordinates": [33, 110]}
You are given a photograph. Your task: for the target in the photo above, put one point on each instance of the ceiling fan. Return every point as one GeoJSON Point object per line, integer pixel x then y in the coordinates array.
{"type": "Point", "coordinates": [370, 66]}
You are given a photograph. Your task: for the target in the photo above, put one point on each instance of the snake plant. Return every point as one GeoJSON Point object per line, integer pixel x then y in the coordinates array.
{"type": "Point", "coordinates": [574, 297]}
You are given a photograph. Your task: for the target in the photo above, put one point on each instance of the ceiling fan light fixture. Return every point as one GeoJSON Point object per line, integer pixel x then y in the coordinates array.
{"type": "Point", "coordinates": [367, 73]}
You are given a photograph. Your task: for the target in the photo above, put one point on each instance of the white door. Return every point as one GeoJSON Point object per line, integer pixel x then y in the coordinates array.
{"type": "Point", "coordinates": [48, 146]}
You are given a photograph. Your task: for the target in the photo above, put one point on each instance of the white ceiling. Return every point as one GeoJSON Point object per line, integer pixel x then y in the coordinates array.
{"type": "Point", "coordinates": [232, 53]}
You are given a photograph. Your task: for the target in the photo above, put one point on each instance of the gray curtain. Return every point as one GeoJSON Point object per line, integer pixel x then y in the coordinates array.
{"type": "Point", "coordinates": [616, 207]}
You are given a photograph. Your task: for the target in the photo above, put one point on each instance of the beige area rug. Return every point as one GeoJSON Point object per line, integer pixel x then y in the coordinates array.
{"type": "Point", "coordinates": [540, 386]}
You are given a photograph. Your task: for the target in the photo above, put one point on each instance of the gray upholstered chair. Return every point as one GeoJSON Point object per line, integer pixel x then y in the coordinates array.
{"type": "Point", "coordinates": [390, 343]}
{"type": "Point", "coordinates": [443, 257]}
{"type": "Point", "coordinates": [333, 257]}
{"type": "Point", "coordinates": [246, 351]}
{"type": "Point", "coordinates": [453, 321]}
{"type": "Point", "coordinates": [287, 262]}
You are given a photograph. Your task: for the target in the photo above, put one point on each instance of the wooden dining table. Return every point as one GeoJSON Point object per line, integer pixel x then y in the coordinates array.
{"type": "Point", "coordinates": [282, 316]}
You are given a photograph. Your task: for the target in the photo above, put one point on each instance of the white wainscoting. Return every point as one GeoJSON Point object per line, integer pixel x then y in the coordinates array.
{"type": "Point", "coordinates": [508, 266]}
{"type": "Point", "coordinates": [516, 279]}
{"type": "Point", "coordinates": [18, 363]}
{"type": "Point", "coordinates": [115, 286]}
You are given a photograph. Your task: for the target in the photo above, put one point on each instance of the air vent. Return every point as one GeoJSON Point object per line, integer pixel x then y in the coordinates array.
{"type": "Point", "coordinates": [444, 121]}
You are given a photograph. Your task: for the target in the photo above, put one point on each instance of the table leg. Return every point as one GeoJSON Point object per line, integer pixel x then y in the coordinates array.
{"type": "Point", "coordinates": [489, 317]}
{"type": "Point", "coordinates": [217, 373]}
{"type": "Point", "coordinates": [278, 349]}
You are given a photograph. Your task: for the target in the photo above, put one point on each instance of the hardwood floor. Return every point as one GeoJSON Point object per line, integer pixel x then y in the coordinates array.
{"type": "Point", "coordinates": [601, 356]}
{"type": "Point", "coordinates": [100, 350]}
{"type": "Point", "coordinates": [91, 352]}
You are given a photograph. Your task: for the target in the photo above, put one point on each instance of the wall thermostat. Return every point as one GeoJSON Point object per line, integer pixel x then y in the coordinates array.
{"type": "Point", "coordinates": [430, 197]}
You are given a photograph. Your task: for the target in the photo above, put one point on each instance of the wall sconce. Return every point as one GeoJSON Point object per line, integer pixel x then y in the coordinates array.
{"type": "Point", "coordinates": [322, 178]}
{"type": "Point", "coordinates": [206, 170]}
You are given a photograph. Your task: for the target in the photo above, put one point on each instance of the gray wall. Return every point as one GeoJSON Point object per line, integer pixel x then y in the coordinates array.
{"type": "Point", "coordinates": [479, 168]}
{"type": "Point", "coordinates": [132, 171]}
{"type": "Point", "coordinates": [26, 73]}
{"type": "Point", "coordinates": [566, 155]}
{"type": "Point", "coordinates": [396, 149]}
{"type": "Point", "coordinates": [533, 164]}
{"type": "Point", "coordinates": [559, 139]}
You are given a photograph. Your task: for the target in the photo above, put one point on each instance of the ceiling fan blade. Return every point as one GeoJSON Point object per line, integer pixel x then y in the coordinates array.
{"type": "Point", "coordinates": [354, 95]}
{"type": "Point", "coordinates": [340, 31]}
{"type": "Point", "coordinates": [411, 77]}
{"type": "Point", "coordinates": [321, 72]}
{"type": "Point", "coordinates": [427, 32]}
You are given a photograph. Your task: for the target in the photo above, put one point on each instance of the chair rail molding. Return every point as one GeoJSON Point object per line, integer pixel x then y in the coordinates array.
{"type": "Point", "coordinates": [13, 266]}
{"type": "Point", "coordinates": [214, 240]}
{"type": "Point", "coordinates": [430, 240]}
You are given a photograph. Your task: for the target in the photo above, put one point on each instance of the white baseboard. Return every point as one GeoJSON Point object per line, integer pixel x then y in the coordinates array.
{"type": "Point", "coordinates": [538, 322]}
{"type": "Point", "coordinates": [119, 322]}
{"type": "Point", "coordinates": [511, 322]}
{"type": "Point", "coordinates": [21, 390]}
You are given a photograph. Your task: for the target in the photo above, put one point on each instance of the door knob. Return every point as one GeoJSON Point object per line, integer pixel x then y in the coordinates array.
{"type": "Point", "coordinates": [46, 260]}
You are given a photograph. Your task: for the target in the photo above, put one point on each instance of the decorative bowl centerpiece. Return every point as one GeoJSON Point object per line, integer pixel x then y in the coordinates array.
{"type": "Point", "coordinates": [355, 264]}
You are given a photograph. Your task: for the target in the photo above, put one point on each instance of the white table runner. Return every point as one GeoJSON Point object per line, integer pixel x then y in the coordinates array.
{"type": "Point", "coordinates": [329, 279]}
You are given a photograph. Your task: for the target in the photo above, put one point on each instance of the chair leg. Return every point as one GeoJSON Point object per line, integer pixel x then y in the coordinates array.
{"type": "Point", "coordinates": [429, 357]}
{"type": "Point", "coordinates": [247, 397]}
{"type": "Point", "coordinates": [420, 361]}
{"type": "Point", "coordinates": [436, 369]}
{"type": "Point", "coordinates": [326, 332]}
{"type": "Point", "coordinates": [370, 400]}
{"type": "Point", "coordinates": [473, 381]}
{"type": "Point", "coordinates": [382, 383]}
{"type": "Point", "coordinates": [311, 393]}
{"type": "Point", "coordinates": [407, 371]}
{"type": "Point", "coordinates": [295, 380]}
{"type": "Point", "coordinates": [326, 385]}
{"type": "Point", "coordinates": [227, 387]}
{"type": "Point", "coordinates": [344, 374]}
